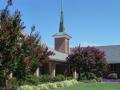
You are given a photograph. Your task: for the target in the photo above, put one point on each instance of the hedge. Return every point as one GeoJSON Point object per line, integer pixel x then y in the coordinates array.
{"type": "Point", "coordinates": [49, 86]}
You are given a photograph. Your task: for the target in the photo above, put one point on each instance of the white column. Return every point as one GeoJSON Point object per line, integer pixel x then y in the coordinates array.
{"type": "Point", "coordinates": [75, 76]}
{"type": "Point", "coordinates": [10, 76]}
{"type": "Point", "coordinates": [37, 72]}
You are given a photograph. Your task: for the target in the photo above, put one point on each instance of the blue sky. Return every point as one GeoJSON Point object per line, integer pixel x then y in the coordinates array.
{"type": "Point", "coordinates": [89, 22]}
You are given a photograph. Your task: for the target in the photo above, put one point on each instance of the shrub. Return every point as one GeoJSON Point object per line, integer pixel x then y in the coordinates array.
{"type": "Point", "coordinates": [48, 78]}
{"type": "Point", "coordinates": [34, 80]}
{"type": "Point", "coordinates": [45, 78]}
{"type": "Point", "coordinates": [87, 76]}
{"type": "Point", "coordinates": [99, 79]}
{"type": "Point", "coordinates": [15, 83]}
{"type": "Point", "coordinates": [113, 76]}
{"type": "Point", "coordinates": [49, 86]}
{"type": "Point", "coordinates": [69, 78]}
{"type": "Point", "coordinates": [59, 84]}
{"type": "Point", "coordinates": [52, 85]}
{"type": "Point", "coordinates": [31, 80]}
{"type": "Point", "coordinates": [26, 87]}
{"type": "Point", "coordinates": [43, 87]}
{"type": "Point", "coordinates": [59, 78]}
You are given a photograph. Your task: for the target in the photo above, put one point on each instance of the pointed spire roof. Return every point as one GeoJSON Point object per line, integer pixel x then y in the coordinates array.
{"type": "Point", "coordinates": [61, 27]}
{"type": "Point", "coordinates": [61, 32]}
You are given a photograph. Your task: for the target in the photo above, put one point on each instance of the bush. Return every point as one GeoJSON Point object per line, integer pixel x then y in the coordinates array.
{"type": "Point", "coordinates": [42, 87]}
{"type": "Point", "coordinates": [113, 76]}
{"type": "Point", "coordinates": [52, 85]}
{"type": "Point", "coordinates": [99, 79]}
{"type": "Point", "coordinates": [59, 78]}
{"type": "Point", "coordinates": [31, 80]}
{"type": "Point", "coordinates": [15, 83]}
{"type": "Point", "coordinates": [48, 78]}
{"type": "Point", "coordinates": [87, 76]}
{"type": "Point", "coordinates": [26, 87]}
{"type": "Point", "coordinates": [45, 78]}
{"type": "Point", "coordinates": [49, 86]}
{"type": "Point", "coordinates": [69, 78]}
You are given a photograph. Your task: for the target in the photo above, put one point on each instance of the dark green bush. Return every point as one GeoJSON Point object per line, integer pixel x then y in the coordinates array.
{"type": "Point", "coordinates": [87, 76]}
{"type": "Point", "coordinates": [59, 78]}
{"type": "Point", "coordinates": [69, 77]}
{"type": "Point", "coordinates": [2, 82]}
{"type": "Point", "coordinates": [31, 80]}
{"type": "Point", "coordinates": [48, 78]}
{"type": "Point", "coordinates": [15, 83]}
{"type": "Point", "coordinates": [45, 78]}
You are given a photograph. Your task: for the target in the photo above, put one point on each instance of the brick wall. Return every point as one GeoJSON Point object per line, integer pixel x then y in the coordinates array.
{"type": "Point", "coordinates": [62, 45]}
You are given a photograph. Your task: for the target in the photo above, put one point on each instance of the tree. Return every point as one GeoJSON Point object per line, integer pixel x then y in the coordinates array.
{"type": "Point", "coordinates": [31, 54]}
{"type": "Point", "coordinates": [10, 33]}
{"type": "Point", "coordinates": [89, 62]}
{"type": "Point", "coordinates": [19, 54]}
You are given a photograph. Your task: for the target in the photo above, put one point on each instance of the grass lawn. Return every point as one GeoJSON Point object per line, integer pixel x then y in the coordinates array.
{"type": "Point", "coordinates": [93, 86]}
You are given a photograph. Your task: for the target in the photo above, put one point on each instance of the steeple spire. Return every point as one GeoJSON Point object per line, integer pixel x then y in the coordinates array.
{"type": "Point", "coordinates": [61, 38]}
{"type": "Point", "coordinates": [61, 27]}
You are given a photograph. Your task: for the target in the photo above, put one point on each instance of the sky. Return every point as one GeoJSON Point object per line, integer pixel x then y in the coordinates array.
{"type": "Point", "coordinates": [89, 22]}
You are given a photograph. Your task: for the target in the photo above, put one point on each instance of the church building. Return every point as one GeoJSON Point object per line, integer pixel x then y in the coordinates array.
{"type": "Point", "coordinates": [61, 49]}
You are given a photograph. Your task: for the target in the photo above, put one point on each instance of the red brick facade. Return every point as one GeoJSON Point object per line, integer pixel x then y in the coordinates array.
{"type": "Point", "coordinates": [62, 45]}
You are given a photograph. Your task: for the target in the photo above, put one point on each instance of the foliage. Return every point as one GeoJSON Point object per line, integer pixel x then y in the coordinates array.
{"type": "Point", "coordinates": [33, 54]}
{"type": "Point", "coordinates": [69, 77]}
{"type": "Point", "coordinates": [88, 61]}
{"type": "Point", "coordinates": [87, 76]}
{"type": "Point", "coordinates": [45, 78]}
{"type": "Point", "coordinates": [49, 86]}
{"type": "Point", "coordinates": [34, 80]}
{"type": "Point", "coordinates": [113, 76]}
{"type": "Point", "coordinates": [10, 34]}
{"type": "Point", "coordinates": [20, 54]}
{"type": "Point", "coordinates": [14, 84]}
{"type": "Point", "coordinates": [48, 78]}
{"type": "Point", "coordinates": [59, 78]}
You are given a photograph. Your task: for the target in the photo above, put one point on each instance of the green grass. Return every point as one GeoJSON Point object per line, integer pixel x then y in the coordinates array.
{"type": "Point", "coordinates": [93, 86]}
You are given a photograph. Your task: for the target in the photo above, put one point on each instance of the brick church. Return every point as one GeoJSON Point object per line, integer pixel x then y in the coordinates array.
{"type": "Point", "coordinates": [62, 49]}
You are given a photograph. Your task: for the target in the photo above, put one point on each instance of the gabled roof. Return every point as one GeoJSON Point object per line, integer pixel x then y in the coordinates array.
{"type": "Point", "coordinates": [60, 57]}
{"type": "Point", "coordinates": [112, 53]}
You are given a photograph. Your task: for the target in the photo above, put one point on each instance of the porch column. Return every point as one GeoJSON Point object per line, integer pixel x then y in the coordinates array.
{"type": "Point", "coordinates": [10, 76]}
{"type": "Point", "coordinates": [37, 72]}
{"type": "Point", "coordinates": [52, 67]}
{"type": "Point", "coordinates": [75, 74]}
